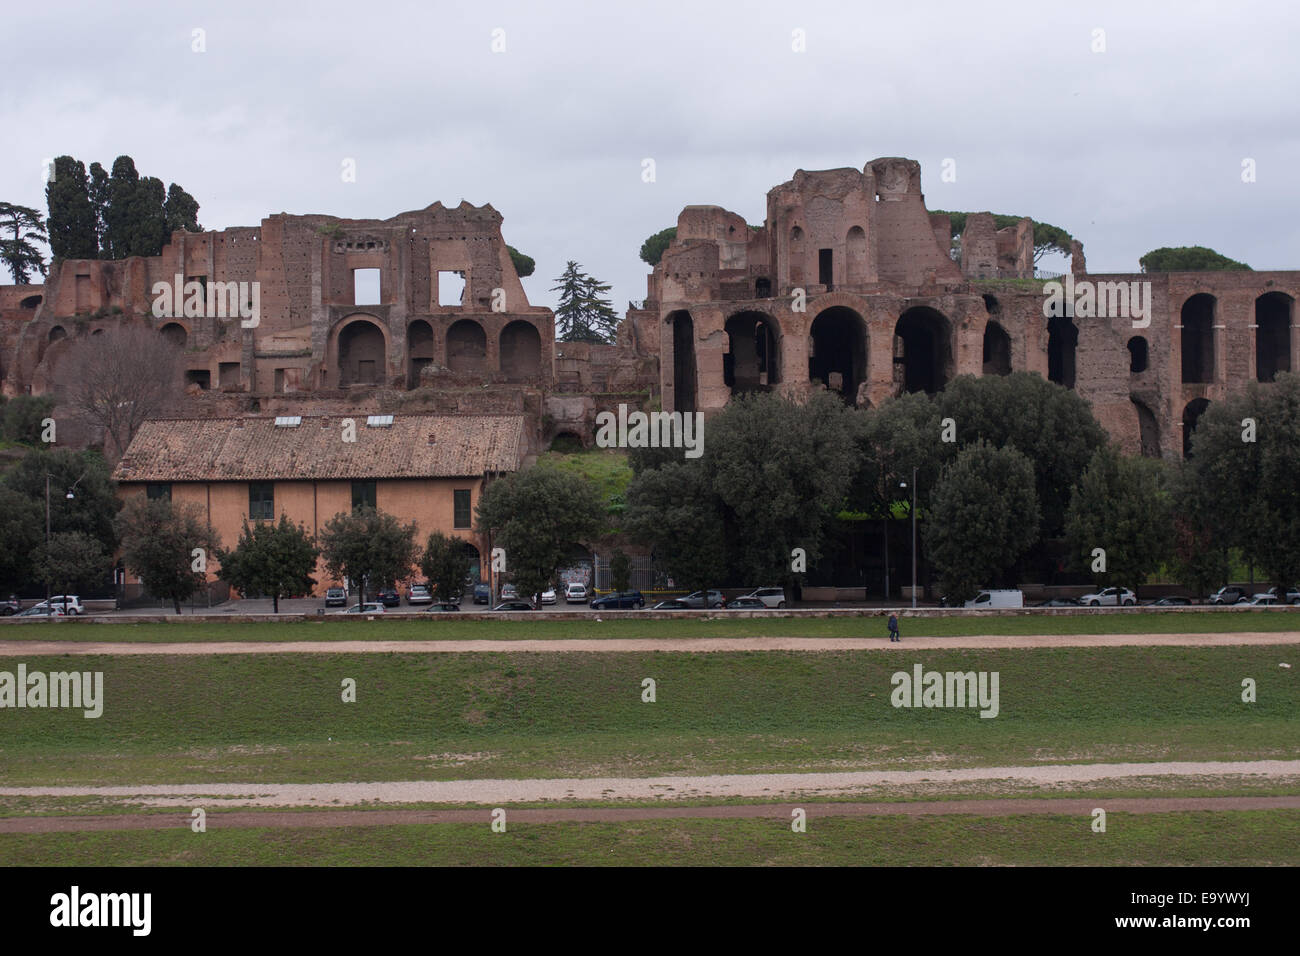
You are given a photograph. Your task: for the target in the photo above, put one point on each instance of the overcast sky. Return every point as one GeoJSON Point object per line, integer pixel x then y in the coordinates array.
{"type": "Point", "coordinates": [1132, 148]}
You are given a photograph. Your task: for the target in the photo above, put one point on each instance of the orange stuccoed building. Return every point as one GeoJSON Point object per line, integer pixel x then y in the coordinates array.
{"type": "Point", "coordinates": [429, 469]}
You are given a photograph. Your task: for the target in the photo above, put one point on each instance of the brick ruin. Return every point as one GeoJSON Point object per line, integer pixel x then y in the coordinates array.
{"type": "Point", "coordinates": [848, 285]}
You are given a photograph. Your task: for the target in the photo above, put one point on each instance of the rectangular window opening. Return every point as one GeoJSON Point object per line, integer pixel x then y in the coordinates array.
{"type": "Point", "coordinates": [451, 288]}
{"type": "Point", "coordinates": [261, 500]}
{"type": "Point", "coordinates": [462, 508]}
{"type": "Point", "coordinates": [365, 287]}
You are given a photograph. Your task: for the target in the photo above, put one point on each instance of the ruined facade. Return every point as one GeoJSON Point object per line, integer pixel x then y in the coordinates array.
{"type": "Point", "coordinates": [848, 285]}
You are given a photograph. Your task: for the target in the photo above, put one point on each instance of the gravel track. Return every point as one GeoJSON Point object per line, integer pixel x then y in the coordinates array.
{"type": "Point", "coordinates": [634, 788]}
{"type": "Point", "coordinates": [1285, 639]}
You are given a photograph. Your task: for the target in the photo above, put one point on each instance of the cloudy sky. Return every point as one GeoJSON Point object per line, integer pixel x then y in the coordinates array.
{"type": "Point", "coordinates": [1138, 146]}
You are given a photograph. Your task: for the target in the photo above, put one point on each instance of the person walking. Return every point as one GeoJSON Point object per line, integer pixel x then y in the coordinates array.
{"type": "Point", "coordinates": [893, 627]}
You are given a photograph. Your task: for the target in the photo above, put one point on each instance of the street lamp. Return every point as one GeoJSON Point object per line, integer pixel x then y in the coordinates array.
{"type": "Point", "coordinates": [903, 484]}
{"type": "Point", "coordinates": [70, 496]}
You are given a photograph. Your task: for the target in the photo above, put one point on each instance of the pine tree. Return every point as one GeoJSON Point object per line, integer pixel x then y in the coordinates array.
{"type": "Point", "coordinates": [19, 253]}
{"type": "Point", "coordinates": [584, 314]}
{"type": "Point", "coordinates": [182, 211]}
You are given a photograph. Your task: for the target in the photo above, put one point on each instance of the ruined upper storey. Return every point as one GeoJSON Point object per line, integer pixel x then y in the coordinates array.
{"type": "Point", "coordinates": [338, 302]}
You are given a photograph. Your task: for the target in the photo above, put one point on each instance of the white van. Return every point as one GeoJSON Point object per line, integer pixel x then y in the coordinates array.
{"type": "Point", "coordinates": [1003, 598]}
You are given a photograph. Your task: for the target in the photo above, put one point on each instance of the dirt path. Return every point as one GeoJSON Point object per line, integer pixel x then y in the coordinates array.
{"type": "Point", "coordinates": [1282, 639]}
{"type": "Point", "coordinates": [498, 792]}
{"type": "Point", "coordinates": [374, 818]}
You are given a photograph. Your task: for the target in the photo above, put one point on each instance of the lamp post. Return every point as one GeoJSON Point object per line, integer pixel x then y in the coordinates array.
{"type": "Point", "coordinates": [903, 484]}
{"type": "Point", "coordinates": [70, 496]}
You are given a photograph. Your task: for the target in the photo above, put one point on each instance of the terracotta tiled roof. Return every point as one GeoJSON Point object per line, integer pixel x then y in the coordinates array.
{"type": "Point", "coordinates": [256, 449]}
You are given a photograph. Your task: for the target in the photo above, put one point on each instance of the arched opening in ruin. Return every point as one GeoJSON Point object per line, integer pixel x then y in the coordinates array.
{"type": "Point", "coordinates": [1148, 428]}
{"type": "Point", "coordinates": [466, 346]}
{"type": "Point", "coordinates": [1273, 316]}
{"type": "Point", "coordinates": [419, 350]}
{"type": "Point", "coordinates": [997, 350]}
{"type": "Point", "coordinates": [1062, 346]}
{"type": "Point", "coordinates": [58, 332]}
{"type": "Point", "coordinates": [31, 302]}
{"type": "Point", "coordinates": [837, 351]}
{"type": "Point", "coordinates": [567, 443]}
{"type": "Point", "coordinates": [922, 350]}
{"type": "Point", "coordinates": [752, 362]}
{"type": "Point", "coordinates": [361, 352]}
{"type": "Point", "coordinates": [1191, 415]}
{"type": "Point", "coordinates": [521, 351]}
{"type": "Point", "coordinates": [174, 334]}
{"type": "Point", "coordinates": [855, 251]}
{"type": "Point", "coordinates": [1138, 354]}
{"type": "Point", "coordinates": [684, 375]}
{"type": "Point", "coordinates": [1197, 320]}
{"type": "Point", "coordinates": [762, 288]}
{"type": "Point", "coordinates": [991, 304]}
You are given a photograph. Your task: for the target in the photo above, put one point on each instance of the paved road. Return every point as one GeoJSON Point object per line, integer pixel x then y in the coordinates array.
{"type": "Point", "coordinates": [374, 818]}
{"type": "Point", "coordinates": [1285, 641]}
{"type": "Point", "coordinates": [496, 792]}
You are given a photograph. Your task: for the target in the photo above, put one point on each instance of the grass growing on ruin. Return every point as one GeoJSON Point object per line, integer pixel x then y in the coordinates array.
{"type": "Point", "coordinates": [1243, 838]}
{"type": "Point", "coordinates": [175, 719]}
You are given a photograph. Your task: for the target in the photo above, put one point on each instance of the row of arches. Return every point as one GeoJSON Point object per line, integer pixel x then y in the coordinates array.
{"type": "Point", "coordinates": [362, 347]}
{"type": "Point", "coordinates": [923, 359]}
{"type": "Point", "coordinates": [1197, 320]}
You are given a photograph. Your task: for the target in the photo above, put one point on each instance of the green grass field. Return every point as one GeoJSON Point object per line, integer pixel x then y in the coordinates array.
{"type": "Point", "coordinates": [276, 717]}
{"type": "Point", "coordinates": [612, 625]}
{"type": "Point", "coordinates": [1270, 837]}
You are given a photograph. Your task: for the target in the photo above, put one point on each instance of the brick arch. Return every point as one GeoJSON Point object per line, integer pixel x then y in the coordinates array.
{"type": "Point", "coordinates": [348, 349]}
{"type": "Point", "coordinates": [753, 358]}
{"type": "Point", "coordinates": [520, 350]}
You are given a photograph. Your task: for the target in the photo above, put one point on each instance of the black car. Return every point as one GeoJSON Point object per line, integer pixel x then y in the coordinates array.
{"type": "Point", "coordinates": [440, 607]}
{"type": "Point", "coordinates": [619, 599]}
{"type": "Point", "coordinates": [513, 606]}
{"type": "Point", "coordinates": [482, 594]}
{"type": "Point", "coordinates": [746, 604]}
{"type": "Point", "coordinates": [389, 598]}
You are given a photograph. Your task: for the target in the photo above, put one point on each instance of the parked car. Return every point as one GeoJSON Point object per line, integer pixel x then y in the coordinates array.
{"type": "Point", "coordinates": [1283, 595]}
{"type": "Point", "coordinates": [1265, 600]}
{"type": "Point", "coordinates": [619, 599]}
{"type": "Point", "coordinates": [1058, 602]}
{"type": "Point", "coordinates": [367, 608]}
{"type": "Point", "coordinates": [697, 598]}
{"type": "Point", "coordinates": [771, 597]}
{"type": "Point", "coordinates": [1173, 600]}
{"type": "Point", "coordinates": [482, 594]}
{"type": "Point", "coordinates": [513, 606]}
{"type": "Point", "coordinates": [509, 593]}
{"type": "Point", "coordinates": [441, 607]}
{"type": "Point", "coordinates": [1109, 597]}
{"type": "Point", "coordinates": [1005, 597]}
{"type": "Point", "coordinates": [575, 593]}
{"type": "Point", "coordinates": [548, 596]}
{"type": "Point", "coordinates": [746, 604]}
{"type": "Point", "coordinates": [419, 594]}
{"type": "Point", "coordinates": [11, 606]}
{"type": "Point", "coordinates": [69, 603]}
{"type": "Point", "coordinates": [673, 605]}
{"type": "Point", "coordinates": [1229, 595]}
{"type": "Point", "coordinates": [40, 610]}
{"type": "Point", "coordinates": [389, 597]}
{"type": "Point", "coordinates": [336, 597]}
